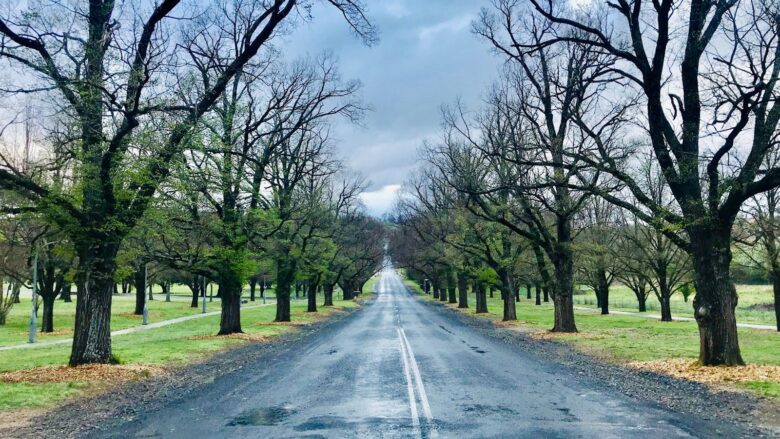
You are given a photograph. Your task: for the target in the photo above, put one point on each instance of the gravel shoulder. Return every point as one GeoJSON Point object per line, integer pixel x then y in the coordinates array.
{"type": "Point", "coordinates": [755, 415]}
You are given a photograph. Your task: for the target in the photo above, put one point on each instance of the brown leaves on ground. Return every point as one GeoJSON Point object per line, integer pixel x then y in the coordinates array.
{"type": "Point", "coordinates": [103, 373]}
{"type": "Point", "coordinates": [238, 336]}
{"type": "Point", "coordinates": [689, 369]}
{"type": "Point", "coordinates": [549, 335]}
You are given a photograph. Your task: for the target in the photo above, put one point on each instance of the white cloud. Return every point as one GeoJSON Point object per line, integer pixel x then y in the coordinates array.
{"type": "Point", "coordinates": [453, 25]}
{"type": "Point", "coordinates": [380, 201]}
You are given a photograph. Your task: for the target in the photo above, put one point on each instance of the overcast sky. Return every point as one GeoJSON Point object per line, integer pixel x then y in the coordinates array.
{"type": "Point", "coordinates": [426, 57]}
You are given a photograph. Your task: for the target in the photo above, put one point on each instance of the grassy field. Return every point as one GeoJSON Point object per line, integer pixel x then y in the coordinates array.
{"type": "Point", "coordinates": [755, 302]}
{"type": "Point", "coordinates": [157, 348]}
{"type": "Point", "coordinates": [635, 339]}
{"type": "Point", "coordinates": [15, 331]}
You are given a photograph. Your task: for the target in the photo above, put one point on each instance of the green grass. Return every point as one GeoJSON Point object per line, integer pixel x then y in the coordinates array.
{"type": "Point", "coordinates": [171, 345]}
{"type": "Point", "coordinates": [755, 302]}
{"type": "Point", "coordinates": [766, 388]}
{"type": "Point", "coordinates": [631, 338]}
{"type": "Point", "coordinates": [15, 331]}
{"type": "Point", "coordinates": [368, 288]}
{"type": "Point", "coordinates": [27, 395]}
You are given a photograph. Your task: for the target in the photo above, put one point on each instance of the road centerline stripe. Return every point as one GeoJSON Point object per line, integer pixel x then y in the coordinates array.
{"type": "Point", "coordinates": [409, 387]}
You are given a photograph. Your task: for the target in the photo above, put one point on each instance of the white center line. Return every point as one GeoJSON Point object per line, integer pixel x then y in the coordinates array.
{"type": "Point", "coordinates": [410, 389]}
{"type": "Point", "coordinates": [426, 407]}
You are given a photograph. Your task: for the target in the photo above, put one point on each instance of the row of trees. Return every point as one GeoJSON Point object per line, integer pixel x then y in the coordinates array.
{"type": "Point", "coordinates": [178, 134]}
{"type": "Point", "coordinates": [650, 126]}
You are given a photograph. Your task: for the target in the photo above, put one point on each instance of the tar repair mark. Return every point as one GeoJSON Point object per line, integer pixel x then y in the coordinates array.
{"type": "Point", "coordinates": [263, 416]}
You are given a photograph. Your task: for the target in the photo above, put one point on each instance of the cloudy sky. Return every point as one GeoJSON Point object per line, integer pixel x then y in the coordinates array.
{"type": "Point", "coordinates": [426, 57]}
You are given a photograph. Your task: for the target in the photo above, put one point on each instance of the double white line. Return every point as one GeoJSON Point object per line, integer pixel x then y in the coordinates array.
{"type": "Point", "coordinates": [411, 370]}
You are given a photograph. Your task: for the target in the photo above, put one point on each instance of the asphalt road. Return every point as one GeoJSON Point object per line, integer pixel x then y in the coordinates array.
{"type": "Point", "coordinates": [398, 369]}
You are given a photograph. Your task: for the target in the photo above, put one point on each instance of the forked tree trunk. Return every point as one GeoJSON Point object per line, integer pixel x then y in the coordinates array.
{"type": "Point", "coordinates": [328, 293]}
{"type": "Point", "coordinates": [92, 329]}
{"type": "Point", "coordinates": [195, 290]}
{"type": "Point", "coordinates": [641, 299]}
{"type": "Point", "coordinates": [716, 299]}
{"type": "Point", "coordinates": [463, 291]}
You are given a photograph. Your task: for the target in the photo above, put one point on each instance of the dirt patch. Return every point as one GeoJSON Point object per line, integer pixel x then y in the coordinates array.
{"type": "Point", "coordinates": [103, 373]}
{"type": "Point", "coordinates": [11, 421]}
{"type": "Point", "coordinates": [152, 315]}
{"type": "Point", "coordinates": [240, 336]}
{"type": "Point", "coordinates": [688, 369]}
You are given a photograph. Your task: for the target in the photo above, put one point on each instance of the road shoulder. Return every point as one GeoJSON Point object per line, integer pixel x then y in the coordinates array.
{"type": "Point", "coordinates": [758, 416]}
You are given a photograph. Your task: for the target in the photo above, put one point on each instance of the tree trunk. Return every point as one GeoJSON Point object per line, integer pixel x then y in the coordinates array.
{"type": "Point", "coordinates": [65, 295]}
{"type": "Point", "coordinates": [776, 288]}
{"type": "Point", "coordinates": [491, 291]}
{"type": "Point", "coordinates": [564, 286]}
{"type": "Point", "coordinates": [528, 291]}
{"type": "Point", "coordinates": [328, 293]}
{"type": "Point", "coordinates": [435, 293]}
{"type": "Point", "coordinates": [603, 291]}
{"type": "Point", "coordinates": [195, 290]}
{"type": "Point", "coordinates": [481, 300]}
{"type": "Point", "coordinates": [716, 299]}
{"type": "Point", "coordinates": [452, 294]}
{"type": "Point", "coordinates": [666, 309]}
{"type": "Point", "coordinates": [463, 291]}
{"type": "Point", "coordinates": [284, 278]}
{"type": "Point", "coordinates": [642, 300]}
{"type": "Point", "coordinates": [311, 296]}
{"type": "Point", "coordinates": [442, 294]}
{"type": "Point", "coordinates": [507, 293]}
{"type": "Point", "coordinates": [252, 287]}
{"type": "Point", "coordinates": [47, 325]}
{"type": "Point", "coordinates": [140, 291]}
{"type": "Point", "coordinates": [92, 329]}
{"type": "Point", "coordinates": [538, 295]}
{"type": "Point", "coordinates": [230, 318]}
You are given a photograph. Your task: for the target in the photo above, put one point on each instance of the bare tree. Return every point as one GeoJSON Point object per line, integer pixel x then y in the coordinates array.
{"type": "Point", "coordinates": [707, 74]}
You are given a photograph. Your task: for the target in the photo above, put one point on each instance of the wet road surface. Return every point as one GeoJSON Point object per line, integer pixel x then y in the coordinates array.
{"type": "Point", "coordinates": [399, 369]}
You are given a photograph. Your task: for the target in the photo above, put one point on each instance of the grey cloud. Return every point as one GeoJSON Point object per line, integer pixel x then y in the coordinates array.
{"type": "Point", "coordinates": [426, 57]}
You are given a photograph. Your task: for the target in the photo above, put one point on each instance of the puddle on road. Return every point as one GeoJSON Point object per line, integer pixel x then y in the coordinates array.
{"type": "Point", "coordinates": [262, 416]}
